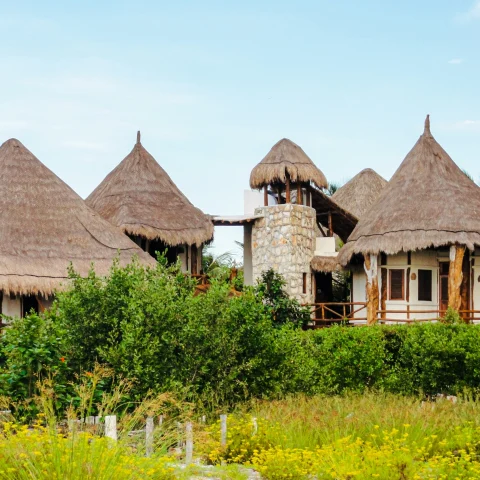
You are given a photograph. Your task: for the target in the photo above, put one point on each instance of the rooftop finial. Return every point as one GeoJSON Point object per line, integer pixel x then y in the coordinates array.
{"type": "Point", "coordinates": [138, 136]}
{"type": "Point", "coordinates": [427, 125]}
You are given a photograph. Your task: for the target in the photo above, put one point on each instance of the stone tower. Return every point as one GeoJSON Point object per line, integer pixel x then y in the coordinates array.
{"type": "Point", "coordinates": [284, 237]}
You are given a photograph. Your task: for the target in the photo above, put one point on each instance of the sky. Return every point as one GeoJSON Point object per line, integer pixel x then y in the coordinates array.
{"type": "Point", "coordinates": [214, 85]}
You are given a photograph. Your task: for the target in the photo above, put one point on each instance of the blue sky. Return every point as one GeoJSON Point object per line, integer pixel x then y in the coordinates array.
{"type": "Point", "coordinates": [213, 85]}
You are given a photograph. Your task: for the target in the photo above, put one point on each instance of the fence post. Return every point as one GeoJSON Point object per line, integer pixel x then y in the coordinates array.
{"type": "Point", "coordinates": [189, 443]}
{"type": "Point", "coordinates": [179, 436]}
{"type": "Point", "coordinates": [223, 430]}
{"type": "Point", "coordinates": [111, 427]}
{"type": "Point", "coordinates": [149, 437]}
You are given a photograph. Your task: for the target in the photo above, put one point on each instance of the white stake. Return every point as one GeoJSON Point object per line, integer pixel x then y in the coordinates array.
{"type": "Point", "coordinates": [223, 430]}
{"type": "Point", "coordinates": [189, 444]}
{"type": "Point", "coordinates": [111, 427]}
{"type": "Point", "coordinates": [149, 437]}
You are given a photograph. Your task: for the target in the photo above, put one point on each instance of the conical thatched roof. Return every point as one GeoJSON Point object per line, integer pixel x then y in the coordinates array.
{"type": "Point", "coordinates": [286, 157]}
{"type": "Point", "coordinates": [139, 197]}
{"type": "Point", "coordinates": [360, 193]}
{"type": "Point", "coordinates": [429, 202]}
{"type": "Point", "coordinates": [45, 225]}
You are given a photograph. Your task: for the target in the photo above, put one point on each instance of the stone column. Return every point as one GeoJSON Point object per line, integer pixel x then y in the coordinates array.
{"type": "Point", "coordinates": [284, 239]}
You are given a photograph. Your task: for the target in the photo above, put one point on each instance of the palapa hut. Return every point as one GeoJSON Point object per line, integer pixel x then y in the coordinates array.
{"type": "Point", "coordinates": [139, 197]}
{"type": "Point", "coordinates": [360, 193]}
{"type": "Point", "coordinates": [291, 229]}
{"type": "Point", "coordinates": [285, 167]}
{"type": "Point", "coordinates": [419, 241]}
{"type": "Point", "coordinates": [45, 225]}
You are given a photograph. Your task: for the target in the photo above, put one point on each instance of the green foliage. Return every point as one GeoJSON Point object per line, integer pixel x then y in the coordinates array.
{"type": "Point", "coordinates": [147, 326]}
{"type": "Point", "coordinates": [452, 316]}
{"type": "Point", "coordinates": [282, 307]}
{"type": "Point", "coordinates": [33, 349]}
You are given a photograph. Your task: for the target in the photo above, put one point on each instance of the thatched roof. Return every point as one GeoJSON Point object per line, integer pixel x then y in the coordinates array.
{"type": "Point", "coordinates": [45, 225]}
{"type": "Point", "coordinates": [286, 157]}
{"type": "Point", "coordinates": [429, 202]}
{"type": "Point", "coordinates": [322, 263]}
{"type": "Point", "coordinates": [361, 192]}
{"type": "Point", "coordinates": [139, 197]}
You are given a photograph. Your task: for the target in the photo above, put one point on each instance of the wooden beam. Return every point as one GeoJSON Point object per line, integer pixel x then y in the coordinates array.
{"type": "Point", "coordinates": [287, 188]}
{"type": "Point", "coordinates": [383, 296]}
{"type": "Point", "coordinates": [330, 224]}
{"type": "Point", "coordinates": [370, 266]}
{"type": "Point", "coordinates": [265, 196]}
{"type": "Point", "coordinates": [299, 193]}
{"type": "Point", "coordinates": [455, 276]}
{"type": "Point", "coordinates": [321, 229]}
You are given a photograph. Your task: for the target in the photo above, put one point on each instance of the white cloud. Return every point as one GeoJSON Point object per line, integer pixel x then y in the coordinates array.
{"type": "Point", "coordinates": [465, 125]}
{"type": "Point", "coordinates": [455, 61]}
{"type": "Point", "coordinates": [472, 14]}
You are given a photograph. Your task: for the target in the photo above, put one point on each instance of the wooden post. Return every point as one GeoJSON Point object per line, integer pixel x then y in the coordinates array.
{"type": "Point", "coordinates": [383, 295]}
{"type": "Point", "coordinates": [265, 196]}
{"type": "Point", "coordinates": [330, 224]}
{"type": "Point", "coordinates": [189, 443]}
{"type": "Point", "coordinates": [111, 427]}
{"type": "Point", "coordinates": [149, 437]}
{"type": "Point", "coordinates": [287, 188]}
{"type": "Point", "coordinates": [255, 425]}
{"type": "Point", "coordinates": [370, 267]}
{"type": "Point", "coordinates": [223, 430]}
{"type": "Point", "coordinates": [299, 194]}
{"type": "Point", "coordinates": [455, 276]}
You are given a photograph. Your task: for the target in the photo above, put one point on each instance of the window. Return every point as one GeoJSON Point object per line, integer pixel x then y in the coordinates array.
{"type": "Point", "coordinates": [425, 285]}
{"type": "Point", "coordinates": [304, 290]}
{"type": "Point", "coordinates": [397, 284]}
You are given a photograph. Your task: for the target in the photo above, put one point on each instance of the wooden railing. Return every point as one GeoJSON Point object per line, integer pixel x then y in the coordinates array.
{"type": "Point", "coordinates": [329, 313]}
{"type": "Point", "coordinates": [384, 316]}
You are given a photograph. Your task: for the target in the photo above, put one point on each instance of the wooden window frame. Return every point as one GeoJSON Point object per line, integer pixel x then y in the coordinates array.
{"type": "Point", "coordinates": [390, 284]}
{"type": "Point", "coordinates": [431, 284]}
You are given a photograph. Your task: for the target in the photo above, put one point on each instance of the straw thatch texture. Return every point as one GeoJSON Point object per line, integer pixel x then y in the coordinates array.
{"type": "Point", "coordinates": [361, 192]}
{"type": "Point", "coordinates": [139, 197]}
{"type": "Point", "coordinates": [45, 225]}
{"type": "Point", "coordinates": [325, 264]}
{"type": "Point", "coordinates": [286, 157]}
{"type": "Point", "coordinates": [429, 202]}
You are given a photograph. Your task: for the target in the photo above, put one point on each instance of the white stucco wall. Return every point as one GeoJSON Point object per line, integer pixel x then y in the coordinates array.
{"type": "Point", "coordinates": [11, 307]}
{"type": "Point", "coordinates": [422, 260]}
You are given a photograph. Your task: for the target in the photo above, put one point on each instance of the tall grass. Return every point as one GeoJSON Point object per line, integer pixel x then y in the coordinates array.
{"type": "Point", "coordinates": [308, 422]}
{"type": "Point", "coordinates": [68, 448]}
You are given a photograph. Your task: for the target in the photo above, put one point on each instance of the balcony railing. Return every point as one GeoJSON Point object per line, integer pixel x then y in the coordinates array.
{"type": "Point", "coordinates": [355, 314]}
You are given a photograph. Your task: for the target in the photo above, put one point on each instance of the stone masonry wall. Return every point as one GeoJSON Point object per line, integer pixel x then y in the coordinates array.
{"type": "Point", "coordinates": [284, 239]}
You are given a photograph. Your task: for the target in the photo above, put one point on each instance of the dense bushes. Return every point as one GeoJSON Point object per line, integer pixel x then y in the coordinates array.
{"type": "Point", "coordinates": [214, 349]}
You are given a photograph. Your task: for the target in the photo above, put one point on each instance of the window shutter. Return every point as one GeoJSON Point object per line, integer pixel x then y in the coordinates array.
{"type": "Point", "coordinates": [397, 279]}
